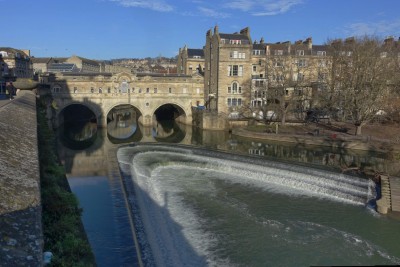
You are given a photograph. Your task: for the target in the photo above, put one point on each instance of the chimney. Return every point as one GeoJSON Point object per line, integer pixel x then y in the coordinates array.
{"type": "Point", "coordinates": [216, 29]}
{"type": "Point", "coordinates": [246, 31]}
{"type": "Point", "coordinates": [308, 42]}
{"type": "Point", "coordinates": [262, 40]}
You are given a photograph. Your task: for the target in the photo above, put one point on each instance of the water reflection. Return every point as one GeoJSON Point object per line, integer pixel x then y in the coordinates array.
{"type": "Point", "coordinates": [121, 122]}
{"type": "Point", "coordinates": [125, 131]}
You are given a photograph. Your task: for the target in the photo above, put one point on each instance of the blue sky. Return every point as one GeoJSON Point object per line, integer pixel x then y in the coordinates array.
{"type": "Point", "coordinates": [108, 29]}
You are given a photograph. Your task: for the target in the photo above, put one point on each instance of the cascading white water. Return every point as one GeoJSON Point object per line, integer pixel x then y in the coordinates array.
{"type": "Point", "coordinates": [175, 186]}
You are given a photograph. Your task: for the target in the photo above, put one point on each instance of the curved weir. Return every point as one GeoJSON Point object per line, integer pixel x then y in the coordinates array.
{"type": "Point", "coordinates": [197, 207]}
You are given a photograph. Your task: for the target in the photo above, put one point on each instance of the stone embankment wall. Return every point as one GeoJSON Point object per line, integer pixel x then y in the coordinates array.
{"type": "Point", "coordinates": [21, 238]}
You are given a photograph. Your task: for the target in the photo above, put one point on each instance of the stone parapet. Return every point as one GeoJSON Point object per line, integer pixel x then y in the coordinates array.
{"type": "Point", "coordinates": [21, 242]}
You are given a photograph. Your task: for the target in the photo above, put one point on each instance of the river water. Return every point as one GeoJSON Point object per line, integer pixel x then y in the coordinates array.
{"type": "Point", "coordinates": [261, 204]}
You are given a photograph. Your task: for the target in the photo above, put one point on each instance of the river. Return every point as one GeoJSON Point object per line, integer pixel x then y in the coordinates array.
{"type": "Point", "coordinates": [193, 204]}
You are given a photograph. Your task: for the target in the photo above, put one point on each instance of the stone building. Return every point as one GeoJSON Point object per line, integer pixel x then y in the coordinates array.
{"type": "Point", "coordinates": [15, 63]}
{"type": "Point", "coordinates": [228, 69]}
{"type": "Point", "coordinates": [190, 61]}
{"type": "Point", "coordinates": [84, 64]}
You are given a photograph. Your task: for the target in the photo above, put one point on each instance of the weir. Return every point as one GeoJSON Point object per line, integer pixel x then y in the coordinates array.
{"type": "Point", "coordinates": [195, 205]}
{"type": "Point", "coordinates": [390, 191]}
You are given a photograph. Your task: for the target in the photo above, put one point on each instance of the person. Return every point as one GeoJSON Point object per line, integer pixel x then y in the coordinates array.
{"type": "Point", "coordinates": [11, 90]}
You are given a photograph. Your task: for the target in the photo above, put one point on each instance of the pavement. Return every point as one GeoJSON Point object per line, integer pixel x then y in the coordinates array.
{"type": "Point", "coordinates": [4, 100]}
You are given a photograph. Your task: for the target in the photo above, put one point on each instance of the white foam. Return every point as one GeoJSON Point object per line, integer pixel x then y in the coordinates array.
{"type": "Point", "coordinates": [170, 226]}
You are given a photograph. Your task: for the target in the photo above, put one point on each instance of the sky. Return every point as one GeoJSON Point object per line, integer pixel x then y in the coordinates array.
{"type": "Point", "coordinates": [111, 29]}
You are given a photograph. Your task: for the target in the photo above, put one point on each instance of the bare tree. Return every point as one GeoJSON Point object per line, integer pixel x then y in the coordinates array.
{"type": "Point", "coordinates": [361, 76]}
{"type": "Point", "coordinates": [289, 83]}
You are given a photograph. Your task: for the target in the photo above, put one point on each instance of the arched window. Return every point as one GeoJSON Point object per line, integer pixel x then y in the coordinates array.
{"type": "Point", "coordinates": [56, 89]}
{"type": "Point", "coordinates": [235, 88]}
{"type": "Point", "coordinates": [123, 87]}
{"type": "Point", "coordinates": [100, 90]}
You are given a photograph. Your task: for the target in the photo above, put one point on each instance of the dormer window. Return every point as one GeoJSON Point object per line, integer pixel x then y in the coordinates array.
{"type": "Point", "coordinates": [321, 53]}
{"type": "Point", "coordinates": [299, 52]}
{"type": "Point", "coordinates": [235, 41]}
{"type": "Point", "coordinates": [196, 57]}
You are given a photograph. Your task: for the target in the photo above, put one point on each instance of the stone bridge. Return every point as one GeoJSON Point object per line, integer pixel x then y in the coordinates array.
{"type": "Point", "coordinates": [150, 95]}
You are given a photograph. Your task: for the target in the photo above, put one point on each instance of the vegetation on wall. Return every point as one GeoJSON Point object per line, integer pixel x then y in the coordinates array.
{"type": "Point", "coordinates": [63, 231]}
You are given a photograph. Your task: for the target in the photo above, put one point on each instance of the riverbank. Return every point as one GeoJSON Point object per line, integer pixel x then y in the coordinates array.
{"type": "Point", "coordinates": [378, 138]}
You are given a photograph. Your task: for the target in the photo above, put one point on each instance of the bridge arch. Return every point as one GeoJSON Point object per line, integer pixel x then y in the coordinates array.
{"type": "Point", "coordinates": [60, 109]}
{"type": "Point", "coordinates": [122, 122]}
{"type": "Point", "coordinates": [171, 111]}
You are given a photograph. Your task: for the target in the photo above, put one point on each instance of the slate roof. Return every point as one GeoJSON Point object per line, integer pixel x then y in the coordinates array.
{"type": "Point", "coordinates": [41, 59]}
{"type": "Point", "coordinates": [259, 46]}
{"type": "Point", "coordinates": [234, 36]}
{"type": "Point", "coordinates": [195, 52]}
{"type": "Point", "coordinates": [57, 67]}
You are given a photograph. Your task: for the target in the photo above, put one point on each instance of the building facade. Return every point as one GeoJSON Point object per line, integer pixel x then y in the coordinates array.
{"type": "Point", "coordinates": [190, 61]}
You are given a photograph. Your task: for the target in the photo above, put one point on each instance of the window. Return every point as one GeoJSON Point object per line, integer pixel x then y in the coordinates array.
{"type": "Point", "coordinates": [259, 83]}
{"type": "Point", "coordinates": [321, 53]}
{"type": "Point", "coordinates": [198, 91]}
{"type": "Point", "coordinates": [236, 89]}
{"type": "Point", "coordinates": [140, 90]}
{"type": "Point", "coordinates": [232, 102]}
{"type": "Point", "coordinates": [75, 90]}
{"type": "Point", "coordinates": [235, 70]}
{"type": "Point", "coordinates": [155, 90]}
{"type": "Point", "coordinates": [100, 90]}
{"type": "Point", "coordinates": [278, 78]}
{"type": "Point", "coordinates": [56, 89]}
{"type": "Point", "coordinates": [254, 68]}
{"type": "Point", "coordinates": [278, 52]}
{"type": "Point", "coordinates": [109, 90]}
{"type": "Point", "coordinates": [299, 52]}
{"type": "Point", "coordinates": [196, 57]}
{"type": "Point", "coordinates": [256, 52]}
{"type": "Point", "coordinates": [235, 41]}
{"type": "Point", "coordinates": [147, 90]}
{"type": "Point", "coordinates": [236, 54]}
{"type": "Point", "coordinates": [91, 89]}
{"type": "Point", "coordinates": [170, 90]}
{"type": "Point", "coordinates": [301, 63]}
